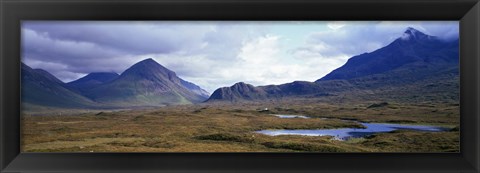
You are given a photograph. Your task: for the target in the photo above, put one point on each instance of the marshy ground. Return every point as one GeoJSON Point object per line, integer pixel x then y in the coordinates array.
{"type": "Point", "coordinates": [231, 128]}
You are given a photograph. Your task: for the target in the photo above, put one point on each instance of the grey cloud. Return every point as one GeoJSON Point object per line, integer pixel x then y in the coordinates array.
{"type": "Point", "coordinates": [132, 37]}
{"type": "Point", "coordinates": [92, 46]}
{"type": "Point", "coordinates": [78, 57]}
{"type": "Point", "coordinates": [361, 37]}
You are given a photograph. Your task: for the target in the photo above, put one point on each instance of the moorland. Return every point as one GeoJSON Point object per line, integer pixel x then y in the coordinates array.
{"type": "Point", "coordinates": [148, 108]}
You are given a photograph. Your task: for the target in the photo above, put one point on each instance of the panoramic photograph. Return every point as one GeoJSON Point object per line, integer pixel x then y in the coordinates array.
{"type": "Point", "coordinates": [240, 86]}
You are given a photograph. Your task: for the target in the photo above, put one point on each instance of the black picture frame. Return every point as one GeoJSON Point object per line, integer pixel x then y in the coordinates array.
{"type": "Point", "coordinates": [14, 11]}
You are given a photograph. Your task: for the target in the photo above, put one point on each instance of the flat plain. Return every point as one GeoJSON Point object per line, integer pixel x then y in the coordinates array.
{"type": "Point", "coordinates": [225, 127]}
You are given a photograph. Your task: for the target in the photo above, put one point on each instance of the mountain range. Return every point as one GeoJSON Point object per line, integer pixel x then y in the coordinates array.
{"type": "Point", "coordinates": [146, 83]}
{"type": "Point", "coordinates": [415, 63]}
{"type": "Point", "coordinates": [414, 58]}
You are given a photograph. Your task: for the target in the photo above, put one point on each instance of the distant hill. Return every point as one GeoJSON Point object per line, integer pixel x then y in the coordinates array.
{"type": "Point", "coordinates": [237, 92]}
{"type": "Point", "coordinates": [194, 88]}
{"type": "Point", "coordinates": [415, 60]}
{"type": "Point", "coordinates": [92, 80]}
{"type": "Point", "coordinates": [147, 83]}
{"type": "Point", "coordinates": [43, 89]}
{"type": "Point", "coordinates": [246, 92]}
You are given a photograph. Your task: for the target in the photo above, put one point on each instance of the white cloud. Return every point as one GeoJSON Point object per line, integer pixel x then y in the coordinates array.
{"type": "Point", "coordinates": [335, 25]}
{"type": "Point", "coordinates": [257, 62]}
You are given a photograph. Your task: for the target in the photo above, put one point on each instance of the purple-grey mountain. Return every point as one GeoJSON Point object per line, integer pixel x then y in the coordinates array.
{"type": "Point", "coordinates": [195, 88]}
{"type": "Point", "coordinates": [92, 80]}
{"type": "Point", "coordinates": [414, 60]}
{"type": "Point", "coordinates": [414, 47]}
{"type": "Point", "coordinates": [41, 88]}
{"type": "Point", "coordinates": [147, 83]}
{"type": "Point", "coordinates": [237, 91]}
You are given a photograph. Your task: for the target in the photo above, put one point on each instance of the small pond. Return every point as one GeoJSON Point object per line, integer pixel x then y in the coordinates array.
{"type": "Point", "coordinates": [346, 133]}
{"type": "Point", "coordinates": [290, 116]}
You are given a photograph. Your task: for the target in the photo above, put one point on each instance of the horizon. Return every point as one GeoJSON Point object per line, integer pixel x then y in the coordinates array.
{"type": "Point", "coordinates": [270, 53]}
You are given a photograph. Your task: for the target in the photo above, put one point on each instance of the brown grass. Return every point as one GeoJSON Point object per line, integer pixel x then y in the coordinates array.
{"type": "Point", "coordinates": [230, 128]}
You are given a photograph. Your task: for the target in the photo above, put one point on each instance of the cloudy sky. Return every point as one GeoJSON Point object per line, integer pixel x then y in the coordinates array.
{"type": "Point", "coordinates": [212, 54]}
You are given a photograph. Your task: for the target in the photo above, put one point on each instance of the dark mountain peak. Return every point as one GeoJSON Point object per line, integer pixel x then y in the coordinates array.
{"type": "Point", "coordinates": [92, 80]}
{"type": "Point", "coordinates": [240, 91]}
{"type": "Point", "coordinates": [98, 76]}
{"type": "Point", "coordinates": [241, 84]}
{"type": "Point", "coordinates": [412, 30]}
{"type": "Point", "coordinates": [44, 73]}
{"type": "Point", "coordinates": [147, 68]}
{"type": "Point", "coordinates": [243, 87]}
{"type": "Point", "coordinates": [414, 47]}
{"type": "Point", "coordinates": [148, 61]}
{"type": "Point", "coordinates": [414, 34]}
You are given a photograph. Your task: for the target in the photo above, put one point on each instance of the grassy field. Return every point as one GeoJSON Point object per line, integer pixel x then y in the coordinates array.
{"type": "Point", "coordinates": [231, 128]}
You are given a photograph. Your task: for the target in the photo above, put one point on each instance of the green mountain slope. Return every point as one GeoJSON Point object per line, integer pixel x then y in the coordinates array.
{"type": "Point", "coordinates": [146, 83]}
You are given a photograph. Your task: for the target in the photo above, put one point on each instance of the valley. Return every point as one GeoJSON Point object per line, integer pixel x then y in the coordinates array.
{"type": "Point", "coordinates": [413, 81]}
